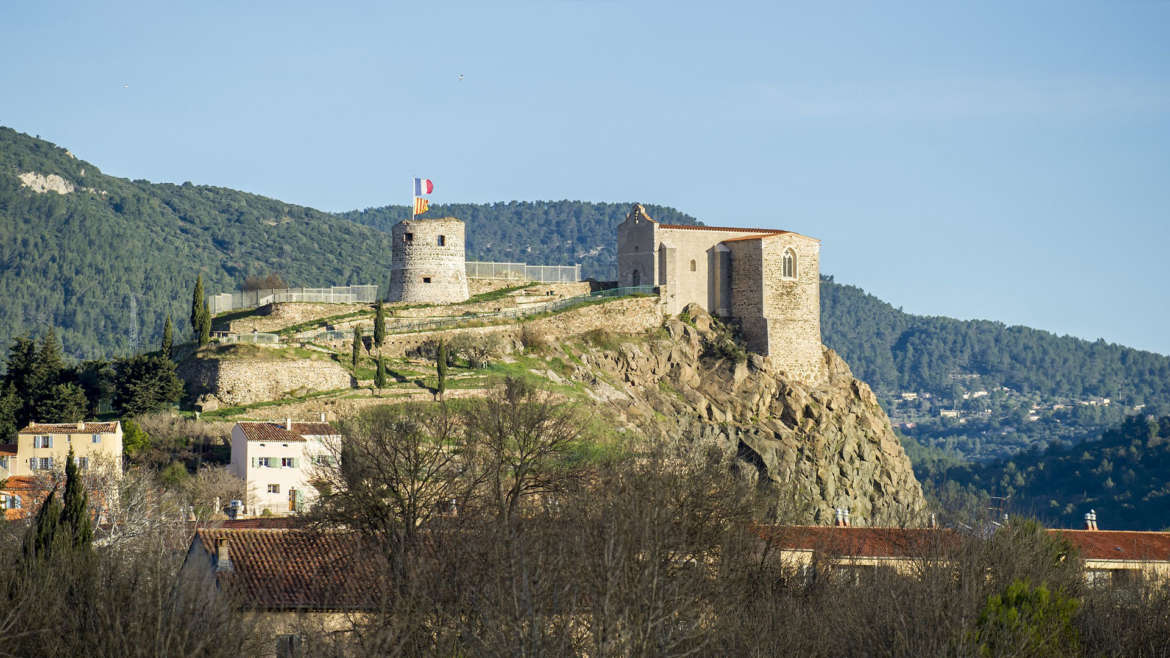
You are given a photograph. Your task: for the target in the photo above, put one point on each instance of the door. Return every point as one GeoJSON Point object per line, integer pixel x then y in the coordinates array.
{"type": "Point", "coordinates": [292, 499]}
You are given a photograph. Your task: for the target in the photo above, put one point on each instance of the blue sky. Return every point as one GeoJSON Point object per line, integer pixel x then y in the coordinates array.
{"type": "Point", "coordinates": [1008, 161]}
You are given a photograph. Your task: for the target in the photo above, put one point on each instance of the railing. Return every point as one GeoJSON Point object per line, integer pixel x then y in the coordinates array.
{"type": "Point", "coordinates": [394, 326]}
{"type": "Point", "coordinates": [523, 272]}
{"type": "Point", "coordinates": [240, 299]}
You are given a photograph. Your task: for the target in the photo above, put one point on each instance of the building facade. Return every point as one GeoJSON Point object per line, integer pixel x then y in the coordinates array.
{"type": "Point", "coordinates": [428, 263]}
{"type": "Point", "coordinates": [767, 280]}
{"type": "Point", "coordinates": [43, 447]}
{"type": "Point", "coordinates": [276, 461]}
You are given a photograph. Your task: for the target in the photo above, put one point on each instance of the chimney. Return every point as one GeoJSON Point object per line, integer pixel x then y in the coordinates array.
{"type": "Point", "coordinates": [223, 560]}
{"type": "Point", "coordinates": [322, 416]}
{"type": "Point", "coordinates": [1088, 520]}
{"type": "Point", "coordinates": [81, 424]}
{"type": "Point", "coordinates": [1093, 519]}
{"type": "Point", "coordinates": [288, 424]}
{"type": "Point", "coordinates": [846, 510]}
{"type": "Point", "coordinates": [933, 520]}
{"type": "Point", "coordinates": [840, 517]}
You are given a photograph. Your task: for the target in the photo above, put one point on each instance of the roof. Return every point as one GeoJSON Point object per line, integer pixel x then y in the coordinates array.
{"type": "Point", "coordinates": [70, 428]}
{"type": "Point", "coordinates": [284, 569]}
{"type": "Point", "coordinates": [22, 483]}
{"type": "Point", "coordinates": [1118, 544]}
{"type": "Point", "coordinates": [266, 431]}
{"type": "Point", "coordinates": [862, 542]}
{"type": "Point", "coordinates": [7, 449]}
{"type": "Point", "coordinates": [314, 429]}
{"type": "Point", "coordinates": [690, 227]}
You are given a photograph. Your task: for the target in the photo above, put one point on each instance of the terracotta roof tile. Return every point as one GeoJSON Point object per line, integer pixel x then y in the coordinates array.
{"type": "Point", "coordinates": [7, 449]}
{"type": "Point", "coordinates": [314, 429]}
{"type": "Point", "coordinates": [1118, 544]}
{"type": "Point", "coordinates": [265, 431]}
{"type": "Point", "coordinates": [862, 542]}
{"type": "Point", "coordinates": [288, 569]}
{"type": "Point", "coordinates": [70, 428]}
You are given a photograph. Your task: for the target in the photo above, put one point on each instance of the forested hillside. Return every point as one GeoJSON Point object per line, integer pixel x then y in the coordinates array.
{"type": "Point", "coordinates": [535, 232]}
{"type": "Point", "coordinates": [1122, 476]}
{"type": "Point", "coordinates": [106, 262]}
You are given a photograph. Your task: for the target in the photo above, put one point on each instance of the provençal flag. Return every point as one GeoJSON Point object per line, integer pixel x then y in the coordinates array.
{"type": "Point", "coordinates": [420, 205]}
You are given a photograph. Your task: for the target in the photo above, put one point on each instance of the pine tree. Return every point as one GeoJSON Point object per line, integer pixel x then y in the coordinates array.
{"type": "Point", "coordinates": [168, 338]}
{"type": "Point", "coordinates": [380, 374]}
{"type": "Point", "coordinates": [75, 513]}
{"type": "Point", "coordinates": [204, 325]}
{"type": "Point", "coordinates": [197, 305]}
{"type": "Point", "coordinates": [49, 361]}
{"type": "Point", "coordinates": [441, 368]}
{"type": "Point", "coordinates": [357, 344]}
{"type": "Point", "coordinates": [379, 324]}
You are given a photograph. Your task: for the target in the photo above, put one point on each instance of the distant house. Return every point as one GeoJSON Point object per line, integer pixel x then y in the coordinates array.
{"type": "Point", "coordinates": [20, 497]}
{"type": "Point", "coordinates": [949, 413]}
{"type": "Point", "coordinates": [276, 462]}
{"type": "Point", "coordinates": [42, 447]}
{"type": "Point", "coordinates": [1121, 557]}
{"type": "Point", "coordinates": [285, 576]}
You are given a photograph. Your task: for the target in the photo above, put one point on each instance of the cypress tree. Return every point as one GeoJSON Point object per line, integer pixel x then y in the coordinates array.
{"type": "Point", "coordinates": [380, 374]}
{"type": "Point", "coordinates": [197, 305]}
{"type": "Point", "coordinates": [441, 367]}
{"type": "Point", "coordinates": [39, 538]}
{"type": "Point", "coordinates": [75, 513]}
{"type": "Point", "coordinates": [204, 326]}
{"type": "Point", "coordinates": [168, 338]}
{"type": "Point", "coordinates": [49, 361]}
{"type": "Point", "coordinates": [379, 324]}
{"type": "Point", "coordinates": [357, 344]}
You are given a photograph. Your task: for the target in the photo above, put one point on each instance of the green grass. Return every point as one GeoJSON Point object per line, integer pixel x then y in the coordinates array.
{"type": "Point", "coordinates": [322, 322]}
{"type": "Point", "coordinates": [493, 295]}
{"type": "Point", "coordinates": [225, 412]}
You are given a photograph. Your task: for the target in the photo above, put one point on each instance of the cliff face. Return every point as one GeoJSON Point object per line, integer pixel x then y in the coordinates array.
{"type": "Point", "coordinates": [823, 446]}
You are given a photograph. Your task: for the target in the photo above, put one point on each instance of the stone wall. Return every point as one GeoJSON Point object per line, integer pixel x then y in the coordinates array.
{"type": "Point", "coordinates": [780, 316]}
{"type": "Point", "coordinates": [428, 263]}
{"type": "Point", "coordinates": [233, 382]}
{"type": "Point", "coordinates": [274, 317]}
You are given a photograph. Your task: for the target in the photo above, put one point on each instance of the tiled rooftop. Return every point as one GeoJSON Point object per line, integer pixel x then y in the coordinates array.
{"type": "Point", "coordinates": [70, 428]}
{"type": "Point", "coordinates": [862, 542]}
{"type": "Point", "coordinates": [266, 431]}
{"type": "Point", "coordinates": [1118, 544]}
{"type": "Point", "coordinates": [287, 569]}
{"type": "Point", "coordinates": [314, 429]}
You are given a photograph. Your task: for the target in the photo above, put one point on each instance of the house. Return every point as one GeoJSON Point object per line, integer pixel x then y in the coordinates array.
{"type": "Point", "coordinates": [43, 447]}
{"type": "Point", "coordinates": [20, 497]}
{"type": "Point", "coordinates": [287, 577]}
{"type": "Point", "coordinates": [1121, 557]}
{"type": "Point", "coordinates": [276, 462]}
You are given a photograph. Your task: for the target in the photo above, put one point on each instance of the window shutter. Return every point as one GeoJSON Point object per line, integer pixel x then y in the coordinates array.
{"type": "Point", "coordinates": [293, 462]}
{"type": "Point", "coordinates": [50, 438]}
{"type": "Point", "coordinates": [253, 462]}
{"type": "Point", "coordinates": [32, 463]}
{"type": "Point", "coordinates": [18, 502]}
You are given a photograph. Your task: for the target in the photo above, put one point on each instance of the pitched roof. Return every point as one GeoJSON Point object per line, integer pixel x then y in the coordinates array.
{"type": "Point", "coordinates": [266, 431]}
{"type": "Point", "coordinates": [861, 542]}
{"type": "Point", "coordinates": [70, 428]}
{"type": "Point", "coordinates": [690, 227]}
{"type": "Point", "coordinates": [314, 429]}
{"type": "Point", "coordinates": [1118, 544]}
{"type": "Point", "coordinates": [289, 569]}
{"type": "Point", "coordinates": [7, 449]}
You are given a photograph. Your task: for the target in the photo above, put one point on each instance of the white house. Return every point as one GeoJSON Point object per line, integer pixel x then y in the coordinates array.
{"type": "Point", "coordinates": [276, 463]}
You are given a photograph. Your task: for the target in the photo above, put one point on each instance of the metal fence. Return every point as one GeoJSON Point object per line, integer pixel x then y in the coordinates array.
{"type": "Point", "coordinates": [434, 324]}
{"type": "Point", "coordinates": [524, 272]}
{"type": "Point", "coordinates": [231, 301]}
{"type": "Point", "coordinates": [255, 338]}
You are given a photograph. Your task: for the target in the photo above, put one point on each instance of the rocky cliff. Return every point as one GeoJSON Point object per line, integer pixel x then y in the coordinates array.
{"type": "Point", "coordinates": [819, 446]}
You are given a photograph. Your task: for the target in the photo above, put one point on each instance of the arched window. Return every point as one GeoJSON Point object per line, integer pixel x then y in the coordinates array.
{"type": "Point", "coordinates": [789, 263]}
{"type": "Point", "coordinates": [693, 265]}
{"type": "Point", "coordinates": [637, 278]}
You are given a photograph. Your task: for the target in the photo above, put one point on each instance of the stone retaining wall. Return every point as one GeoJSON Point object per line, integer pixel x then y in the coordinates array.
{"type": "Point", "coordinates": [233, 382]}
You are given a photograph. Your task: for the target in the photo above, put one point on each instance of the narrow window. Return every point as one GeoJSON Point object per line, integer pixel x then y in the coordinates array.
{"type": "Point", "coordinates": [637, 278]}
{"type": "Point", "coordinates": [442, 240]}
{"type": "Point", "coordinates": [694, 266]}
{"type": "Point", "coordinates": [426, 279]}
{"type": "Point", "coordinates": [408, 237]}
{"type": "Point", "coordinates": [274, 488]}
{"type": "Point", "coordinates": [97, 438]}
{"type": "Point", "coordinates": [789, 264]}
{"type": "Point", "coordinates": [287, 462]}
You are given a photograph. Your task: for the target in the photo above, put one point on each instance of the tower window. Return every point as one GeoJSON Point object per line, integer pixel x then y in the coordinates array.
{"type": "Point", "coordinates": [426, 279]}
{"type": "Point", "coordinates": [694, 266]}
{"type": "Point", "coordinates": [637, 277]}
{"type": "Point", "coordinates": [442, 240]}
{"type": "Point", "coordinates": [789, 264]}
{"type": "Point", "coordinates": [408, 237]}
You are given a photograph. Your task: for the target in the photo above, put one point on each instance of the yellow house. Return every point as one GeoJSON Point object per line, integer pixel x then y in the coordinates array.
{"type": "Point", "coordinates": [42, 447]}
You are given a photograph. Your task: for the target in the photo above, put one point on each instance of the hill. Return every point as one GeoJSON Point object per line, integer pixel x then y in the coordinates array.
{"type": "Point", "coordinates": [1121, 475]}
{"type": "Point", "coordinates": [105, 261]}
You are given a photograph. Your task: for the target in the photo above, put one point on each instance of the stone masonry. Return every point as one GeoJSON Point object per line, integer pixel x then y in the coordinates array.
{"type": "Point", "coordinates": [428, 263]}
{"type": "Point", "coordinates": [736, 273]}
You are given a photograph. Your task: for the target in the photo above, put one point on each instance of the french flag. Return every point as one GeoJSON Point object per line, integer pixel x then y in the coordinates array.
{"type": "Point", "coordinates": [423, 186]}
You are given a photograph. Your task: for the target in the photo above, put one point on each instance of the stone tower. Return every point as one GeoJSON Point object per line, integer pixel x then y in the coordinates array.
{"type": "Point", "coordinates": [428, 264]}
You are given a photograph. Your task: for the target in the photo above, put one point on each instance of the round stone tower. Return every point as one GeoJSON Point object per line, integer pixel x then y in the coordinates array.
{"type": "Point", "coordinates": [427, 264]}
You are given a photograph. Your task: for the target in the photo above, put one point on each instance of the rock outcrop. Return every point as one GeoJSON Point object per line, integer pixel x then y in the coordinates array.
{"type": "Point", "coordinates": [40, 183]}
{"type": "Point", "coordinates": [820, 446]}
